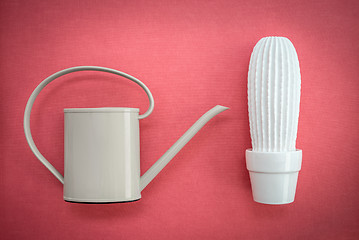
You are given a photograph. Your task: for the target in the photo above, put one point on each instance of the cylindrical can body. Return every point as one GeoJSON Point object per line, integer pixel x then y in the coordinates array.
{"type": "Point", "coordinates": [102, 155]}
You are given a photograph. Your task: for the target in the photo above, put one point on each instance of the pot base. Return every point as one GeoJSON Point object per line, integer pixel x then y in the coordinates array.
{"type": "Point", "coordinates": [274, 175]}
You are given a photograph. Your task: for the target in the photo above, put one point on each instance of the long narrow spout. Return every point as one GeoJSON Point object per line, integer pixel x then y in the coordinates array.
{"type": "Point", "coordinates": [181, 142]}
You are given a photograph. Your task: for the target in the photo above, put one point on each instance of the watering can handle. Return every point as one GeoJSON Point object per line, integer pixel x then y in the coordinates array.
{"type": "Point", "coordinates": [38, 89]}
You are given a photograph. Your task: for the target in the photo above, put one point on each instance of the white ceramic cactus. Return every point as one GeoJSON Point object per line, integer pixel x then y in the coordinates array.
{"type": "Point", "coordinates": [273, 95]}
{"type": "Point", "coordinates": [273, 105]}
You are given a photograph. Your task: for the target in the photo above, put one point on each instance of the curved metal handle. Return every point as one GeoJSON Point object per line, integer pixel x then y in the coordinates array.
{"type": "Point", "coordinates": [38, 89]}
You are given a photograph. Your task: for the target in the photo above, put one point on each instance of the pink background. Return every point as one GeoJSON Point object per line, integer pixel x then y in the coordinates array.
{"type": "Point", "coordinates": [192, 55]}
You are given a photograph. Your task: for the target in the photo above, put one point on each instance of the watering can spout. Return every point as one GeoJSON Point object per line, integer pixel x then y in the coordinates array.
{"type": "Point", "coordinates": [181, 142]}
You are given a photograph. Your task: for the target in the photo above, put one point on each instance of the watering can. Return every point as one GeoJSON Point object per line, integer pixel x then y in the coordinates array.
{"type": "Point", "coordinates": [102, 147]}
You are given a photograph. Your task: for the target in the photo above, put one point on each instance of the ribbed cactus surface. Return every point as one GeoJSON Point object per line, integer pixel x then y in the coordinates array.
{"type": "Point", "coordinates": [273, 95]}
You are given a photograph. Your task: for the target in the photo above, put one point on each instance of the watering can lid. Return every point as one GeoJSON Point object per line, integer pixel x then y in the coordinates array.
{"type": "Point", "coordinates": [100, 110]}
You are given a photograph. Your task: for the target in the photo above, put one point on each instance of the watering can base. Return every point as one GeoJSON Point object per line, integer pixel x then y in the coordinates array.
{"type": "Point", "coordinates": [103, 202]}
{"type": "Point", "coordinates": [97, 201]}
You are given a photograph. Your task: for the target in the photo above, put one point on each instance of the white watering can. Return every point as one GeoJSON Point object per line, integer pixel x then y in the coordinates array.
{"type": "Point", "coordinates": [102, 147]}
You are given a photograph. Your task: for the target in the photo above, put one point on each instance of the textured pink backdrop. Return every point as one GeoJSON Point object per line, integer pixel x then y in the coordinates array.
{"type": "Point", "coordinates": [192, 55]}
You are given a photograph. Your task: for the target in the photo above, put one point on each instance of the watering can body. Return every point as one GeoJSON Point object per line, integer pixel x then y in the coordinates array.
{"type": "Point", "coordinates": [102, 147]}
{"type": "Point", "coordinates": [102, 155]}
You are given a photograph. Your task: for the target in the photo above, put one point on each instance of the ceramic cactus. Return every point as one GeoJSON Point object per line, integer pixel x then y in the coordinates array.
{"type": "Point", "coordinates": [273, 105]}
